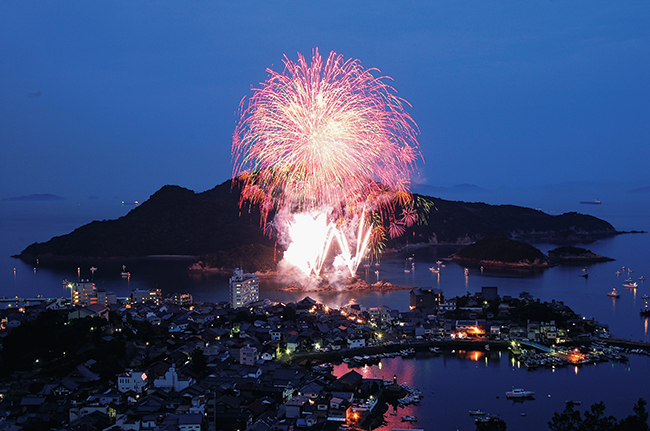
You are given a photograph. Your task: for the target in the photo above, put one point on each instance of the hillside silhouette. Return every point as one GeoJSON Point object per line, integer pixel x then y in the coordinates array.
{"type": "Point", "coordinates": [178, 221]}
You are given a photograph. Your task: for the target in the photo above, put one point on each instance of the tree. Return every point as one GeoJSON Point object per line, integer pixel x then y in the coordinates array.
{"type": "Point", "coordinates": [595, 419]}
{"type": "Point", "coordinates": [636, 422]}
{"type": "Point", "coordinates": [568, 420]}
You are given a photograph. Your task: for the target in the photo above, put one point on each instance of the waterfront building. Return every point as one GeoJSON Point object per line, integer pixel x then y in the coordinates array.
{"type": "Point", "coordinates": [380, 314]}
{"type": "Point", "coordinates": [244, 289]}
{"type": "Point", "coordinates": [85, 293]}
{"type": "Point", "coordinates": [141, 296]}
{"type": "Point", "coordinates": [183, 299]}
{"type": "Point", "coordinates": [82, 292]}
{"type": "Point", "coordinates": [426, 298]}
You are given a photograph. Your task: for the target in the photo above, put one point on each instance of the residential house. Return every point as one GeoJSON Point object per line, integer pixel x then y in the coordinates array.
{"type": "Point", "coordinates": [132, 381]}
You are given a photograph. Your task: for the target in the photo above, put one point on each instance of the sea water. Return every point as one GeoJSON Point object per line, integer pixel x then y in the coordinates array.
{"type": "Point", "coordinates": [455, 382]}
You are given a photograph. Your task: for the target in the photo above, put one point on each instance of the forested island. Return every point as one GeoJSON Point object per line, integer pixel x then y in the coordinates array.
{"type": "Point", "coordinates": [508, 253]}
{"type": "Point", "coordinates": [501, 252]}
{"type": "Point", "coordinates": [213, 228]}
{"type": "Point", "coordinates": [571, 254]}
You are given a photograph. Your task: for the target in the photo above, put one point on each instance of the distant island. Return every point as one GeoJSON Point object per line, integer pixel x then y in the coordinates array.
{"type": "Point", "coordinates": [501, 253]}
{"type": "Point", "coordinates": [570, 254]}
{"type": "Point", "coordinates": [508, 253]}
{"type": "Point", "coordinates": [212, 227]}
{"type": "Point", "coordinates": [35, 198]}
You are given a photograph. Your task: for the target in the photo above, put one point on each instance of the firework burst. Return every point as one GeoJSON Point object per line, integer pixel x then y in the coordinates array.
{"type": "Point", "coordinates": [327, 137]}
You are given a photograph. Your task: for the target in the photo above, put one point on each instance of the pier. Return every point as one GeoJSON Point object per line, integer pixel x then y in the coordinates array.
{"type": "Point", "coordinates": [621, 342]}
{"type": "Point", "coordinates": [16, 299]}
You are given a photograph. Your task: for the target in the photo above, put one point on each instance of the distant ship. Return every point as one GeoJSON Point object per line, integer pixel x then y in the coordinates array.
{"type": "Point", "coordinates": [594, 202]}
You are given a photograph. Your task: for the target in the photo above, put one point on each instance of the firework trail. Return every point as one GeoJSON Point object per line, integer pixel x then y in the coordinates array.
{"type": "Point", "coordinates": [328, 138]}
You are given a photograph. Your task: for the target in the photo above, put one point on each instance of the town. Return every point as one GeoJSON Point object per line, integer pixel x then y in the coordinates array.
{"type": "Point", "coordinates": [94, 361]}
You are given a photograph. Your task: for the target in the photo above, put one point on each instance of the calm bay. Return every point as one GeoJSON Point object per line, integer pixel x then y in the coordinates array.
{"type": "Point", "coordinates": [452, 383]}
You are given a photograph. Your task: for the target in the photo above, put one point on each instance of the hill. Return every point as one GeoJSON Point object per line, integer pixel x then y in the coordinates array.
{"type": "Point", "coordinates": [178, 221]}
{"type": "Point", "coordinates": [502, 252]}
{"type": "Point", "coordinates": [571, 254]}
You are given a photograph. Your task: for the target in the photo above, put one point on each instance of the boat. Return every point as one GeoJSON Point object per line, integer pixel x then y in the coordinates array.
{"type": "Point", "coordinates": [476, 413]}
{"type": "Point", "coordinates": [466, 272]}
{"type": "Point", "coordinates": [594, 202]}
{"type": "Point", "coordinates": [409, 418]}
{"type": "Point", "coordinates": [614, 294]}
{"type": "Point", "coordinates": [434, 270]}
{"type": "Point", "coordinates": [519, 393]}
{"type": "Point", "coordinates": [641, 278]}
{"type": "Point", "coordinates": [632, 285]}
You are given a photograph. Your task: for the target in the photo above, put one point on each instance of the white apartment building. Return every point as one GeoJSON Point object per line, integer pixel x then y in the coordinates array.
{"type": "Point", "coordinates": [244, 289]}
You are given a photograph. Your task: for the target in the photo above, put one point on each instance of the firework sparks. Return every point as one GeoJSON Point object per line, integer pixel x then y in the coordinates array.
{"type": "Point", "coordinates": [327, 138]}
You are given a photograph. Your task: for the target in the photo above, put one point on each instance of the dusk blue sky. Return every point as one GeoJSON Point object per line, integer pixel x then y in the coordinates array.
{"type": "Point", "coordinates": [118, 98]}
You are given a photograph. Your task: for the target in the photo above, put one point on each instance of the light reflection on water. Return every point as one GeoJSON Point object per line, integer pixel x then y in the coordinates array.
{"type": "Point", "coordinates": [454, 383]}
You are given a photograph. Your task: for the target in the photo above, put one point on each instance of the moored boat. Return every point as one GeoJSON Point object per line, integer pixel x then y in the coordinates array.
{"type": "Point", "coordinates": [519, 393]}
{"type": "Point", "coordinates": [614, 294]}
{"type": "Point", "coordinates": [409, 418]}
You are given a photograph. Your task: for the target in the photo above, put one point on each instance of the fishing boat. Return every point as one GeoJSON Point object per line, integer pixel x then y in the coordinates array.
{"type": "Point", "coordinates": [614, 294]}
{"type": "Point", "coordinates": [519, 393]}
{"type": "Point", "coordinates": [632, 285]}
{"type": "Point", "coordinates": [434, 269]}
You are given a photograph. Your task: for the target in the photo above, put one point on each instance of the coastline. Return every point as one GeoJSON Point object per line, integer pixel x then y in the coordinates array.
{"type": "Point", "coordinates": [501, 265]}
{"type": "Point", "coordinates": [358, 285]}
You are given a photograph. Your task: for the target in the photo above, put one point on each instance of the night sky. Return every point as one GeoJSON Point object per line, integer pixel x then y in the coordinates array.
{"type": "Point", "coordinates": [119, 98]}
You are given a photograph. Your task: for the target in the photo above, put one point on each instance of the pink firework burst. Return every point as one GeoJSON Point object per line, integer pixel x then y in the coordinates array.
{"type": "Point", "coordinates": [327, 136]}
{"type": "Point", "coordinates": [323, 134]}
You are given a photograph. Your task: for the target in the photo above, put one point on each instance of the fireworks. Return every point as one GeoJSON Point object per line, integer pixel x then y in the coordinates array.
{"type": "Point", "coordinates": [331, 140]}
